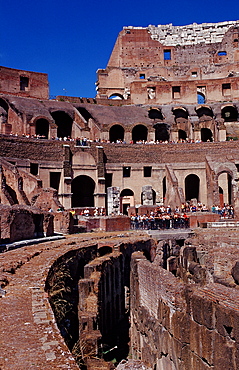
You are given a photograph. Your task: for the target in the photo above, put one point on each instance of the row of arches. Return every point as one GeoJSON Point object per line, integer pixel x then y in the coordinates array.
{"type": "Point", "coordinates": [140, 133]}
{"type": "Point", "coordinates": [60, 119]}
{"type": "Point", "coordinates": [83, 188]}
{"type": "Point", "coordinates": [63, 123]}
{"type": "Point", "coordinates": [229, 112]}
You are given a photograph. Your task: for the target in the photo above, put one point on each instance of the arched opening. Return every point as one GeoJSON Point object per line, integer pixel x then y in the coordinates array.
{"type": "Point", "coordinates": [192, 183]}
{"type": "Point", "coordinates": [116, 96]}
{"type": "Point", "coordinates": [182, 135]}
{"type": "Point", "coordinates": [161, 132]}
{"type": "Point", "coordinates": [63, 122]}
{"type": "Point", "coordinates": [126, 200]}
{"type": "Point", "coordinates": [229, 113]}
{"type": "Point", "coordinates": [180, 113]}
{"type": "Point", "coordinates": [225, 188]}
{"type": "Point", "coordinates": [206, 134]}
{"type": "Point", "coordinates": [42, 127]}
{"type": "Point", "coordinates": [201, 99]}
{"type": "Point", "coordinates": [82, 188]}
{"type": "Point", "coordinates": [155, 113]}
{"type": "Point", "coordinates": [116, 133]}
{"type": "Point", "coordinates": [204, 112]}
{"type": "Point", "coordinates": [139, 133]}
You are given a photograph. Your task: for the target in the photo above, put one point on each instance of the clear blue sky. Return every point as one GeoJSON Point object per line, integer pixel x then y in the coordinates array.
{"type": "Point", "coordinates": [70, 40]}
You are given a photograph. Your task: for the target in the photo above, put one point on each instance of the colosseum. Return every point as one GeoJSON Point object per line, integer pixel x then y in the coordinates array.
{"type": "Point", "coordinates": [120, 213]}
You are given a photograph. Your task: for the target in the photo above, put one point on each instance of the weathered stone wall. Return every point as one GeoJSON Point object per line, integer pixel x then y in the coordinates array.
{"type": "Point", "coordinates": [37, 86]}
{"type": "Point", "coordinates": [181, 327]}
{"type": "Point", "coordinates": [24, 222]}
{"type": "Point", "coordinates": [195, 53]}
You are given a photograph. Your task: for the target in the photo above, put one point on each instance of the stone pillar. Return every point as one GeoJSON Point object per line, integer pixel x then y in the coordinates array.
{"type": "Point", "coordinates": [100, 186]}
{"type": "Point", "coordinates": [151, 136]}
{"type": "Point", "coordinates": [197, 135]}
{"type": "Point", "coordinates": [147, 195]}
{"type": "Point", "coordinates": [174, 134]}
{"type": "Point", "coordinates": [113, 200]}
{"type": "Point", "coordinates": [127, 136]}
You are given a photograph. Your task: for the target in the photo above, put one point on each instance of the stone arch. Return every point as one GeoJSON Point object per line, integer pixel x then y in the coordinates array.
{"type": "Point", "coordinates": [63, 122]}
{"type": "Point", "coordinates": [181, 121]}
{"type": "Point", "coordinates": [225, 178]}
{"type": "Point", "coordinates": [192, 187]}
{"type": "Point", "coordinates": [42, 127]}
{"type": "Point", "coordinates": [155, 114]}
{"type": "Point", "coordinates": [204, 111]}
{"type": "Point", "coordinates": [116, 96]}
{"type": "Point", "coordinates": [126, 200]}
{"type": "Point", "coordinates": [82, 188]}
{"type": "Point", "coordinates": [116, 132]}
{"type": "Point", "coordinates": [139, 133]}
{"type": "Point", "coordinates": [229, 113]}
{"type": "Point", "coordinates": [225, 187]}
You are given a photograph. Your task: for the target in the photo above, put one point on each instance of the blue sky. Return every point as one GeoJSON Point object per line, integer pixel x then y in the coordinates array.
{"type": "Point", "coordinates": [71, 40]}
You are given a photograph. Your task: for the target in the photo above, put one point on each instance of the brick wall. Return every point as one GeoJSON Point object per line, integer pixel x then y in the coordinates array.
{"type": "Point", "coordinates": [177, 326]}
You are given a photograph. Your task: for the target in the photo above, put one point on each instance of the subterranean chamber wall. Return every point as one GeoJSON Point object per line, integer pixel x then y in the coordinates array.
{"type": "Point", "coordinates": [88, 290]}
{"type": "Point", "coordinates": [114, 301]}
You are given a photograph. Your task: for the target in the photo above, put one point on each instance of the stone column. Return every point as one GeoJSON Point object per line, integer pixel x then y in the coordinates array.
{"type": "Point", "coordinates": [113, 200]}
{"type": "Point", "coordinates": [147, 195]}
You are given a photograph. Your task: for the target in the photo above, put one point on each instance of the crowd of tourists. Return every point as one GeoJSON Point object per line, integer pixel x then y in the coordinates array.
{"type": "Point", "coordinates": [164, 218]}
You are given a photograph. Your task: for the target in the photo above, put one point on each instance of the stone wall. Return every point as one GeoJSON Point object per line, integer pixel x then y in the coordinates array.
{"type": "Point", "coordinates": [181, 327]}
{"type": "Point", "coordinates": [33, 84]}
{"type": "Point", "coordinates": [24, 222]}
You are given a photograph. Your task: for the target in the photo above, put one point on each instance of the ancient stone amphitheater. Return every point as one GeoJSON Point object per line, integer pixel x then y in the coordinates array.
{"type": "Point", "coordinates": [79, 288]}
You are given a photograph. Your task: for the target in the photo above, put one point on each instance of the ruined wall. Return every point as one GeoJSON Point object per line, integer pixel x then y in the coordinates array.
{"type": "Point", "coordinates": [24, 83]}
{"type": "Point", "coordinates": [181, 327]}
{"type": "Point", "coordinates": [169, 53]}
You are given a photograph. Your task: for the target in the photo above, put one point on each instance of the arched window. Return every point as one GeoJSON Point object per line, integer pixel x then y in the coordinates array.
{"type": "Point", "coordinates": [82, 188]}
{"type": "Point", "coordinates": [63, 122]}
{"type": "Point", "coordinates": [139, 133]}
{"type": "Point", "coordinates": [116, 133]}
{"type": "Point", "coordinates": [42, 127]}
{"type": "Point", "coordinates": [192, 183]}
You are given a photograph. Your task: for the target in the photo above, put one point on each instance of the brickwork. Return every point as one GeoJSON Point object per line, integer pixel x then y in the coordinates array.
{"type": "Point", "coordinates": [175, 326]}
{"type": "Point", "coordinates": [24, 83]}
{"type": "Point", "coordinates": [167, 54]}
